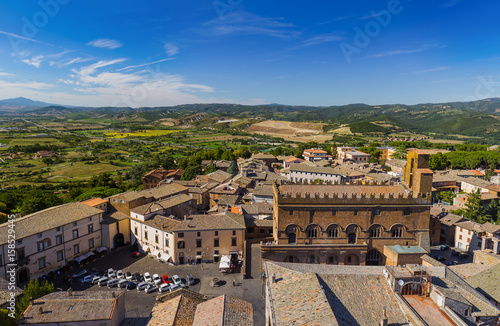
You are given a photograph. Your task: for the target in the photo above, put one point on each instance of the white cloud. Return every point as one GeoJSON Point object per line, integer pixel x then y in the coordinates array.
{"type": "Point", "coordinates": [324, 38]}
{"type": "Point", "coordinates": [5, 74]}
{"type": "Point", "coordinates": [87, 70]}
{"type": "Point", "coordinates": [35, 61]}
{"type": "Point", "coordinates": [24, 85]}
{"type": "Point", "coordinates": [65, 63]}
{"type": "Point", "coordinates": [430, 70]}
{"type": "Point", "coordinates": [23, 38]}
{"type": "Point", "coordinates": [105, 43]}
{"type": "Point", "coordinates": [145, 64]}
{"type": "Point", "coordinates": [171, 49]}
{"type": "Point", "coordinates": [396, 52]}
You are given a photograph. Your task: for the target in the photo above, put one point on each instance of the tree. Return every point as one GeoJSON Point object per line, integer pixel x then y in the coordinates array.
{"type": "Point", "coordinates": [233, 168]}
{"type": "Point", "coordinates": [438, 162]}
{"type": "Point", "coordinates": [334, 150]}
{"type": "Point", "coordinates": [35, 290]}
{"type": "Point", "coordinates": [191, 172]}
{"type": "Point", "coordinates": [492, 210]}
{"type": "Point", "coordinates": [48, 161]}
{"type": "Point", "coordinates": [210, 168]}
{"type": "Point", "coordinates": [474, 210]}
{"type": "Point", "coordinates": [5, 319]}
{"type": "Point", "coordinates": [491, 172]}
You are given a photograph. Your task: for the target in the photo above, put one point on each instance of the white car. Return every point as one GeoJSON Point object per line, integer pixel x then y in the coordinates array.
{"type": "Point", "coordinates": [174, 287]}
{"type": "Point", "coordinates": [141, 286]}
{"type": "Point", "coordinates": [119, 274]}
{"type": "Point", "coordinates": [111, 273]}
{"type": "Point", "coordinates": [147, 278]}
{"type": "Point", "coordinates": [102, 281]}
{"type": "Point", "coordinates": [80, 274]}
{"type": "Point", "coordinates": [128, 276]}
{"type": "Point", "coordinates": [189, 280]}
{"type": "Point", "coordinates": [164, 288]}
{"type": "Point", "coordinates": [156, 279]}
{"type": "Point", "coordinates": [87, 279]}
{"type": "Point", "coordinates": [177, 280]}
{"type": "Point", "coordinates": [95, 279]}
{"type": "Point", "coordinates": [150, 288]}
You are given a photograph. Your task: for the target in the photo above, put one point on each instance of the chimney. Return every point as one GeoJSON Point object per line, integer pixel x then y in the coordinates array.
{"type": "Point", "coordinates": [274, 278]}
{"type": "Point", "coordinates": [40, 310]}
{"type": "Point", "coordinates": [70, 292]}
{"type": "Point", "coordinates": [384, 321]}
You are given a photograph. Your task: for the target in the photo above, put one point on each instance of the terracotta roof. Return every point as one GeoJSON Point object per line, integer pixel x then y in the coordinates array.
{"type": "Point", "coordinates": [219, 176]}
{"type": "Point", "coordinates": [477, 173]}
{"type": "Point", "coordinates": [175, 309]}
{"type": "Point", "coordinates": [313, 169]}
{"type": "Point", "coordinates": [293, 159]}
{"type": "Point", "coordinates": [487, 282]}
{"type": "Point", "coordinates": [112, 217]}
{"type": "Point", "coordinates": [94, 201]}
{"type": "Point", "coordinates": [451, 219]}
{"type": "Point", "coordinates": [494, 187]}
{"type": "Point", "coordinates": [490, 228]}
{"type": "Point", "coordinates": [164, 191]}
{"type": "Point", "coordinates": [130, 195]}
{"type": "Point", "coordinates": [315, 151]}
{"type": "Point", "coordinates": [161, 204]}
{"type": "Point", "coordinates": [429, 151]}
{"type": "Point", "coordinates": [163, 223]}
{"type": "Point", "coordinates": [210, 222]}
{"type": "Point", "coordinates": [477, 182]}
{"type": "Point", "coordinates": [230, 200]}
{"type": "Point", "coordinates": [470, 269]}
{"type": "Point", "coordinates": [48, 219]}
{"type": "Point", "coordinates": [425, 171]}
{"type": "Point", "coordinates": [252, 222]}
{"type": "Point", "coordinates": [263, 190]}
{"type": "Point", "coordinates": [224, 311]}
{"type": "Point", "coordinates": [257, 209]}
{"type": "Point", "coordinates": [470, 225]}
{"type": "Point", "coordinates": [263, 156]}
{"type": "Point", "coordinates": [82, 306]}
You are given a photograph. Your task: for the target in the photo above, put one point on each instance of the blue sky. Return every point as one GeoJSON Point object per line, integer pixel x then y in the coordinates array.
{"type": "Point", "coordinates": [159, 53]}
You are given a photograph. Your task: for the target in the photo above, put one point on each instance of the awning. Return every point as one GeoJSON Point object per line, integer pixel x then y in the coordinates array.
{"type": "Point", "coordinates": [165, 256]}
{"type": "Point", "coordinates": [225, 262]}
{"type": "Point", "coordinates": [101, 249]}
{"type": "Point", "coordinates": [198, 257]}
{"type": "Point", "coordinates": [156, 253]}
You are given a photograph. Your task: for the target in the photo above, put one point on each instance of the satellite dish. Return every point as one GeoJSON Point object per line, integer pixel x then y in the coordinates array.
{"type": "Point", "coordinates": [401, 282]}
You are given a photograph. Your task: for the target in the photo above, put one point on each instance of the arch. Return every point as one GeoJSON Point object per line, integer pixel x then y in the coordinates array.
{"type": "Point", "coordinates": [181, 244]}
{"type": "Point", "coordinates": [411, 288]}
{"type": "Point", "coordinates": [376, 231]}
{"type": "Point", "coordinates": [292, 238]}
{"type": "Point", "coordinates": [291, 228]}
{"type": "Point", "coordinates": [374, 257]}
{"type": "Point", "coordinates": [291, 259]}
{"type": "Point", "coordinates": [118, 240]}
{"type": "Point", "coordinates": [352, 227]}
{"type": "Point", "coordinates": [351, 259]}
{"type": "Point", "coordinates": [313, 259]}
{"type": "Point", "coordinates": [397, 231]}
{"type": "Point", "coordinates": [23, 276]}
{"type": "Point", "coordinates": [181, 258]}
{"type": "Point", "coordinates": [351, 238]}
{"type": "Point", "coordinates": [312, 230]}
{"type": "Point", "coordinates": [333, 231]}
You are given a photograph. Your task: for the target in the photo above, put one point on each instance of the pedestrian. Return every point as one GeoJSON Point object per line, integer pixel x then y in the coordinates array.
{"type": "Point", "coordinates": [234, 282]}
{"type": "Point", "coordinates": [201, 266]}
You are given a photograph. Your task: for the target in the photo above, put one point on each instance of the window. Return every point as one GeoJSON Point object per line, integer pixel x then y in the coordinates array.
{"type": "Point", "coordinates": [468, 232]}
{"type": "Point", "coordinates": [146, 235]}
{"type": "Point", "coordinates": [75, 233]}
{"type": "Point", "coordinates": [198, 234]}
{"type": "Point", "coordinates": [20, 242]}
{"type": "Point", "coordinates": [291, 212]}
{"type": "Point", "coordinates": [334, 212]}
{"type": "Point", "coordinates": [333, 231]}
{"type": "Point", "coordinates": [167, 244]}
{"type": "Point", "coordinates": [312, 213]}
{"type": "Point", "coordinates": [355, 212]}
{"type": "Point", "coordinates": [135, 230]}
{"type": "Point", "coordinates": [90, 218]}
{"type": "Point", "coordinates": [75, 223]}
{"type": "Point", "coordinates": [375, 232]}
{"type": "Point", "coordinates": [234, 232]}
{"type": "Point", "coordinates": [198, 243]}
{"type": "Point", "coordinates": [397, 232]}
{"type": "Point", "coordinates": [20, 253]}
{"type": "Point", "coordinates": [41, 263]}
{"type": "Point", "coordinates": [376, 211]}
{"type": "Point", "coordinates": [39, 235]}
{"type": "Point", "coordinates": [262, 231]}
{"type": "Point", "coordinates": [460, 237]}
{"type": "Point", "coordinates": [91, 228]}
{"type": "Point", "coordinates": [250, 230]}
{"type": "Point", "coordinates": [466, 312]}
{"type": "Point", "coordinates": [76, 249]}
{"type": "Point", "coordinates": [312, 231]}
{"type": "Point", "coordinates": [216, 233]}
{"type": "Point", "coordinates": [91, 243]}
{"type": "Point", "coordinates": [156, 238]}
{"type": "Point", "coordinates": [216, 252]}
{"type": "Point", "coordinates": [60, 255]}
{"type": "Point", "coordinates": [216, 243]}
{"type": "Point", "coordinates": [40, 247]}
{"type": "Point", "coordinates": [181, 234]}
{"type": "Point", "coordinates": [349, 259]}
{"type": "Point", "coordinates": [233, 242]}
{"type": "Point", "coordinates": [406, 211]}
{"type": "Point", "coordinates": [58, 229]}
{"type": "Point", "coordinates": [123, 201]}
{"type": "Point", "coordinates": [181, 245]}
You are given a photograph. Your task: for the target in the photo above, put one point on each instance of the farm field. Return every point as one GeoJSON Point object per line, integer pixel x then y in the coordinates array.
{"type": "Point", "coordinates": [142, 133]}
{"type": "Point", "coordinates": [34, 140]}
{"type": "Point", "coordinates": [294, 131]}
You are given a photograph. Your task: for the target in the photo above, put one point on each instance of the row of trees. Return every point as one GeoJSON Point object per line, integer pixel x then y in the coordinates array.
{"type": "Point", "coordinates": [475, 211]}
{"type": "Point", "coordinates": [464, 160]}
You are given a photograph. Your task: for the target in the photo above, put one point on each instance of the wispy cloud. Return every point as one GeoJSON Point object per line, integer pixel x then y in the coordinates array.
{"type": "Point", "coordinates": [24, 38]}
{"type": "Point", "coordinates": [324, 38]}
{"type": "Point", "coordinates": [87, 70]}
{"type": "Point", "coordinates": [430, 70]}
{"type": "Point", "coordinates": [105, 43]}
{"type": "Point", "coordinates": [372, 15]}
{"type": "Point", "coordinates": [5, 74]}
{"type": "Point", "coordinates": [450, 4]}
{"type": "Point", "coordinates": [396, 52]}
{"type": "Point", "coordinates": [24, 85]}
{"type": "Point", "coordinates": [68, 62]}
{"type": "Point", "coordinates": [242, 22]}
{"type": "Point", "coordinates": [171, 49]}
{"type": "Point", "coordinates": [35, 61]}
{"type": "Point", "coordinates": [145, 64]}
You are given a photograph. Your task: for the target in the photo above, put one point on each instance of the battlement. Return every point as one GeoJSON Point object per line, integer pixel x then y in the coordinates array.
{"type": "Point", "coordinates": [346, 194]}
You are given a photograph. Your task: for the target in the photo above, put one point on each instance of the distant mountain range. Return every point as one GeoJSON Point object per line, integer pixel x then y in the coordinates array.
{"type": "Point", "coordinates": [22, 102]}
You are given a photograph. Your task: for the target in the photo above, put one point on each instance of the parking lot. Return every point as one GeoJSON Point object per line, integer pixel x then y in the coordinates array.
{"type": "Point", "coordinates": [449, 258]}
{"type": "Point", "coordinates": [139, 304]}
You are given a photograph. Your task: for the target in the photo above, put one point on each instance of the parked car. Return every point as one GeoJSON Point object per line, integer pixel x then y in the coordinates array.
{"type": "Point", "coordinates": [164, 287]}
{"type": "Point", "coordinates": [444, 247]}
{"type": "Point", "coordinates": [87, 279]}
{"type": "Point", "coordinates": [128, 276]}
{"type": "Point", "coordinates": [122, 283]}
{"type": "Point", "coordinates": [156, 279]}
{"type": "Point", "coordinates": [141, 286]}
{"type": "Point", "coordinates": [137, 277]}
{"type": "Point", "coordinates": [463, 255]}
{"type": "Point", "coordinates": [119, 274]}
{"type": "Point", "coordinates": [455, 253]}
{"type": "Point", "coordinates": [177, 280]}
{"type": "Point", "coordinates": [189, 280]}
{"type": "Point", "coordinates": [147, 277]}
{"type": "Point", "coordinates": [174, 287]}
{"type": "Point", "coordinates": [131, 285]}
{"type": "Point", "coordinates": [96, 279]}
{"type": "Point", "coordinates": [80, 274]}
{"type": "Point", "coordinates": [136, 254]}
{"type": "Point", "coordinates": [151, 288]}
{"type": "Point", "coordinates": [440, 258]}
{"type": "Point", "coordinates": [102, 281]}
{"type": "Point", "coordinates": [111, 273]}
{"type": "Point", "coordinates": [165, 279]}
{"type": "Point", "coordinates": [112, 282]}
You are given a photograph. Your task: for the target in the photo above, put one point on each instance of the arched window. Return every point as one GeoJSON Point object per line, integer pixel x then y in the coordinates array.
{"type": "Point", "coordinates": [313, 259]}
{"type": "Point", "coordinates": [333, 231]}
{"type": "Point", "coordinates": [351, 238]}
{"type": "Point", "coordinates": [397, 231]}
{"type": "Point", "coordinates": [181, 245]}
{"type": "Point", "coordinates": [351, 233]}
{"type": "Point", "coordinates": [312, 231]}
{"type": "Point", "coordinates": [373, 257]}
{"type": "Point", "coordinates": [376, 231]}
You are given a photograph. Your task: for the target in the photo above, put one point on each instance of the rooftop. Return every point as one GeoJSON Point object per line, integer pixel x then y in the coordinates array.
{"type": "Point", "coordinates": [48, 219]}
{"type": "Point", "coordinates": [224, 311]}
{"type": "Point", "coordinates": [94, 201]}
{"type": "Point", "coordinates": [487, 282]}
{"type": "Point", "coordinates": [407, 249]}
{"type": "Point", "coordinates": [161, 204]}
{"type": "Point", "coordinates": [294, 189]}
{"type": "Point", "coordinates": [312, 169]}
{"type": "Point", "coordinates": [164, 191]}
{"type": "Point", "coordinates": [227, 221]}
{"type": "Point", "coordinates": [175, 308]}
